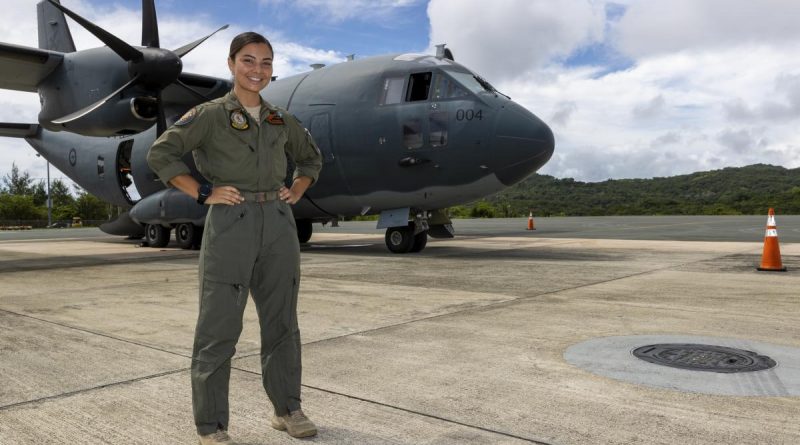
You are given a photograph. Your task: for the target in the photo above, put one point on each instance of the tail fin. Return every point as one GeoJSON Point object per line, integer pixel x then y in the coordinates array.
{"type": "Point", "coordinates": [53, 30]}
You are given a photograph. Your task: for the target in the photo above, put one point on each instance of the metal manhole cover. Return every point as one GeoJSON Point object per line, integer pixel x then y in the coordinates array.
{"type": "Point", "coordinates": [696, 357]}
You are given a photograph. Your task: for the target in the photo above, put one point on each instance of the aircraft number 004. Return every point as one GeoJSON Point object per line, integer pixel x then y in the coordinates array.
{"type": "Point", "coordinates": [469, 115]}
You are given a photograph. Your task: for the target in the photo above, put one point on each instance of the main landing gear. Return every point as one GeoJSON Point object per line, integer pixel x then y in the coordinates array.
{"type": "Point", "coordinates": [187, 235]}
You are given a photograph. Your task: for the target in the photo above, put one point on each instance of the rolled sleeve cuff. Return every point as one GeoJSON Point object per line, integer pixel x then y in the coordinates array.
{"type": "Point", "coordinates": [306, 171]}
{"type": "Point", "coordinates": [172, 170]}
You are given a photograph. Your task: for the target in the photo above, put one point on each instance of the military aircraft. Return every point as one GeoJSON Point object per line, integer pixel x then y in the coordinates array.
{"type": "Point", "coordinates": [403, 136]}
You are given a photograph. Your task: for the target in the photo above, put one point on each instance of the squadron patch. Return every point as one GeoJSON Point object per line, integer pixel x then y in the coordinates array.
{"type": "Point", "coordinates": [275, 118]}
{"type": "Point", "coordinates": [239, 120]}
{"type": "Point", "coordinates": [187, 118]}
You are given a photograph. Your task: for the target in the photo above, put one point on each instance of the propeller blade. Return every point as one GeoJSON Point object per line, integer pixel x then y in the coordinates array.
{"type": "Point", "coordinates": [124, 50]}
{"type": "Point", "coordinates": [182, 51]}
{"type": "Point", "coordinates": [196, 93]}
{"type": "Point", "coordinates": [161, 123]}
{"type": "Point", "coordinates": [149, 24]}
{"type": "Point", "coordinates": [84, 111]}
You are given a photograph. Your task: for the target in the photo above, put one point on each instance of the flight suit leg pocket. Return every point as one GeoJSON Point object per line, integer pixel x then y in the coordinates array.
{"type": "Point", "coordinates": [286, 211]}
{"type": "Point", "coordinates": [227, 253]}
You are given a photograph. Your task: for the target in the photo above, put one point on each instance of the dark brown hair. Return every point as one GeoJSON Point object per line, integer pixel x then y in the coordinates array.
{"type": "Point", "coordinates": [247, 38]}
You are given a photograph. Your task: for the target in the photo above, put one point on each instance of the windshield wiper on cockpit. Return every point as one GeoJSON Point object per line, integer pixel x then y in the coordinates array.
{"type": "Point", "coordinates": [488, 87]}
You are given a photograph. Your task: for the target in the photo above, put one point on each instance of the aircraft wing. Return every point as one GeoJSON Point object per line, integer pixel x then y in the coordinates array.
{"type": "Point", "coordinates": [12, 130]}
{"type": "Point", "coordinates": [178, 99]}
{"type": "Point", "coordinates": [22, 68]}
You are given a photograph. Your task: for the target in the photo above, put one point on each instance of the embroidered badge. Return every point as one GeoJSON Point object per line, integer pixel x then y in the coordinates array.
{"type": "Point", "coordinates": [239, 120]}
{"type": "Point", "coordinates": [275, 118]}
{"type": "Point", "coordinates": [187, 118]}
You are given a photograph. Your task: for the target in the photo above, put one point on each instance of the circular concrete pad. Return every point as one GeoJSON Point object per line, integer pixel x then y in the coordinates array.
{"type": "Point", "coordinates": [613, 357]}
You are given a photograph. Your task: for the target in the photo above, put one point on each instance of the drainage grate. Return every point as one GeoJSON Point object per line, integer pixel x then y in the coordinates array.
{"type": "Point", "coordinates": [709, 358]}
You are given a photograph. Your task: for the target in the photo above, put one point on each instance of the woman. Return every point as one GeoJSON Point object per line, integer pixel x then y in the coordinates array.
{"type": "Point", "coordinates": [239, 143]}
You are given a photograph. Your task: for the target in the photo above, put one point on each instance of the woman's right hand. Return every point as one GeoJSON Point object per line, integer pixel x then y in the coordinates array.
{"type": "Point", "coordinates": [225, 194]}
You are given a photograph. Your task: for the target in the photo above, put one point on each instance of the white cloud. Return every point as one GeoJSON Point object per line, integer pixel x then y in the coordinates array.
{"type": "Point", "coordinates": [662, 26]}
{"type": "Point", "coordinates": [685, 96]}
{"type": "Point", "coordinates": [503, 40]}
{"type": "Point", "coordinates": [340, 10]}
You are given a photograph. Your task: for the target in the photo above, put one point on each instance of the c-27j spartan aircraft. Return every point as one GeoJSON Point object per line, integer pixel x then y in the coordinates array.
{"type": "Point", "coordinates": [403, 136]}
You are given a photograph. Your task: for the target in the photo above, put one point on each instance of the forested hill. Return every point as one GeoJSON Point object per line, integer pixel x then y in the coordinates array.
{"type": "Point", "coordinates": [750, 190]}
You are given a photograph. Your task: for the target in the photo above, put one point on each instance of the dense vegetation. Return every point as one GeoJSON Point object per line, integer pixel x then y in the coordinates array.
{"type": "Point", "coordinates": [24, 200]}
{"type": "Point", "coordinates": [750, 190]}
{"type": "Point", "coordinates": [747, 190]}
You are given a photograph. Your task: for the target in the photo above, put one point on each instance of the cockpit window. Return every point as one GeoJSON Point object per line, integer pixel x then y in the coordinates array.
{"type": "Point", "coordinates": [419, 85]}
{"type": "Point", "coordinates": [392, 90]}
{"type": "Point", "coordinates": [471, 82]}
{"type": "Point", "coordinates": [447, 88]}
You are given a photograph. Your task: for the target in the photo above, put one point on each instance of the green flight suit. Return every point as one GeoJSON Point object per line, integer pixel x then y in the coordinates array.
{"type": "Point", "coordinates": [247, 248]}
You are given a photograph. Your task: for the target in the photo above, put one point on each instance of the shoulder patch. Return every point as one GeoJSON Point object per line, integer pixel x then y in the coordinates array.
{"type": "Point", "coordinates": [275, 118]}
{"type": "Point", "coordinates": [187, 118]}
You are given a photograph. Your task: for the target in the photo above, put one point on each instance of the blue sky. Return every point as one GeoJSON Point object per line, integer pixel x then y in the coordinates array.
{"type": "Point", "coordinates": [631, 88]}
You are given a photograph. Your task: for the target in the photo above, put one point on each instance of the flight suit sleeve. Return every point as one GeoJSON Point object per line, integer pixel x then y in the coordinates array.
{"type": "Point", "coordinates": [304, 151]}
{"type": "Point", "coordinates": [187, 134]}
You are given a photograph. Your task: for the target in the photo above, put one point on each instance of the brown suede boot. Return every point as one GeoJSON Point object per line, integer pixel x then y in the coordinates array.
{"type": "Point", "coordinates": [221, 437]}
{"type": "Point", "coordinates": [295, 423]}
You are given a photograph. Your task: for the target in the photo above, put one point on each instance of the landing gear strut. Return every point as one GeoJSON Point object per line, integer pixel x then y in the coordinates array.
{"type": "Point", "coordinates": [304, 230]}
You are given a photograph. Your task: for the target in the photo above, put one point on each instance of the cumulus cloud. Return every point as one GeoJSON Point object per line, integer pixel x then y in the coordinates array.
{"type": "Point", "coordinates": [563, 112]}
{"type": "Point", "coordinates": [650, 109]}
{"type": "Point", "coordinates": [340, 10]}
{"type": "Point", "coordinates": [663, 26]}
{"type": "Point", "coordinates": [507, 39]}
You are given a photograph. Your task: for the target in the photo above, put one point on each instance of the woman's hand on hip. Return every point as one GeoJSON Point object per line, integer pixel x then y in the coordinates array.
{"type": "Point", "coordinates": [225, 194]}
{"type": "Point", "coordinates": [289, 195]}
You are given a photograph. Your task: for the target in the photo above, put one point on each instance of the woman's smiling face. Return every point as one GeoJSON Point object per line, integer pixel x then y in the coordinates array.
{"type": "Point", "coordinates": [251, 67]}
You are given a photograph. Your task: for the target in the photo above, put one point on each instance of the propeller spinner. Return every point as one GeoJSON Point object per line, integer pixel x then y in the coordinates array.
{"type": "Point", "coordinates": [150, 67]}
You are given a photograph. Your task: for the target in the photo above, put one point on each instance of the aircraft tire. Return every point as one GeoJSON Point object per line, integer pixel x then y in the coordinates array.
{"type": "Point", "coordinates": [185, 235]}
{"type": "Point", "coordinates": [420, 241]}
{"type": "Point", "coordinates": [400, 239]}
{"type": "Point", "coordinates": [156, 235]}
{"type": "Point", "coordinates": [304, 230]}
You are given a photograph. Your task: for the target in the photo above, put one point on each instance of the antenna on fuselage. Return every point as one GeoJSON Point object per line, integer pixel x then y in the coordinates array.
{"type": "Point", "coordinates": [444, 53]}
{"type": "Point", "coordinates": [317, 66]}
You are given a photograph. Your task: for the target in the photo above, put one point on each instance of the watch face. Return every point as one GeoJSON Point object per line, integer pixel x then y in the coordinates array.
{"type": "Point", "coordinates": [205, 190]}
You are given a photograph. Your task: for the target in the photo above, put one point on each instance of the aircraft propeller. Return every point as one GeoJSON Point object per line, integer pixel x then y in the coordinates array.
{"type": "Point", "coordinates": [150, 67]}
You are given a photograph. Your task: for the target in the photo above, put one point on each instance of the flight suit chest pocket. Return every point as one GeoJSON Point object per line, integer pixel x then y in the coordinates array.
{"type": "Point", "coordinates": [232, 154]}
{"type": "Point", "coordinates": [228, 247]}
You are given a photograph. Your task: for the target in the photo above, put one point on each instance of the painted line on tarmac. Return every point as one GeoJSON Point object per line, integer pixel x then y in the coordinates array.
{"type": "Point", "coordinates": [84, 390]}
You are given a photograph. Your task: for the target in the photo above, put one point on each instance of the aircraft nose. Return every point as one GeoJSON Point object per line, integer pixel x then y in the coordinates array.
{"type": "Point", "coordinates": [523, 144]}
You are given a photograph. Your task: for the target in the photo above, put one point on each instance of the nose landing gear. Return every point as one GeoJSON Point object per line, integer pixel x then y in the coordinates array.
{"type": "Point", "coordinates": [403, 239]}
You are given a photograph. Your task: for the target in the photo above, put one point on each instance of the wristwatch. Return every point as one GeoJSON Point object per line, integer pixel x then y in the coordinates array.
{"type": "Point", "coordinates": [203, 192]}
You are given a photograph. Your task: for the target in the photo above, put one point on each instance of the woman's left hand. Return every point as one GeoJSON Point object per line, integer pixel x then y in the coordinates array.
{"type": "Point", "coordinates": [290, 196]}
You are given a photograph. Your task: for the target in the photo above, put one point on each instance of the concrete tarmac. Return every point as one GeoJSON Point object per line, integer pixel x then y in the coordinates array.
{"type": "Point", "coordinates": [464, 343]}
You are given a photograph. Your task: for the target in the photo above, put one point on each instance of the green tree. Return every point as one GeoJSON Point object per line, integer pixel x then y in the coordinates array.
{"type": "Point", "coordinates": [89, 207]}
{"type": "Point", "coordinates": [19, 207]}
{"type": "Point", "coordinates": [39, 193]}
{"type": "Point", "coordinates": [16, 183]}
{"type": "Point", "coordinates": [59, 191]}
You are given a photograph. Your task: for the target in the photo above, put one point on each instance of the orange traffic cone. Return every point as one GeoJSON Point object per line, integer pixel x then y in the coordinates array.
{"type": "Point", "coordinates": [530, 222]}
{"type": "Point", "coordinates": [771, 258]}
